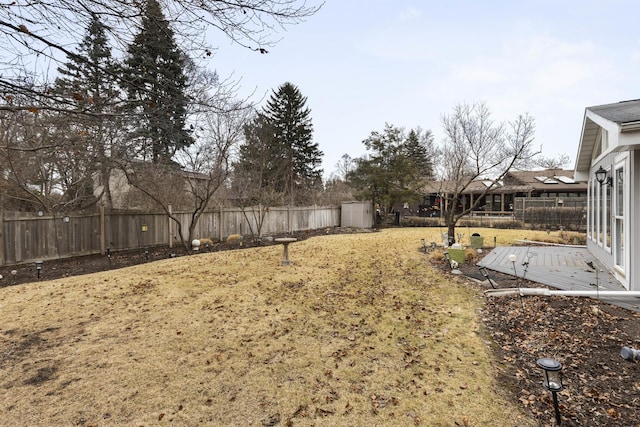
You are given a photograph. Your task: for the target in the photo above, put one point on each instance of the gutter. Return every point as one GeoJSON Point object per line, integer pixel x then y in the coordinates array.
{"type": "Point", "coordinates": [548, 292]}
{"type": "Point", "coordinates": [535, 242]}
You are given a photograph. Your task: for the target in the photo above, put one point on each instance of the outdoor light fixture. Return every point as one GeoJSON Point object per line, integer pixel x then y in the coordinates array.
{"type": "Point", "coordinates": [552, 381]}
{"type": "Point", "coordinates": [602, 178]}
{"type": "Point", "coordinates": [39, 267]}
{"type": "Point", "coordinates": [512, 259]}
{"type": "Point", "coordinates": [485, 274]}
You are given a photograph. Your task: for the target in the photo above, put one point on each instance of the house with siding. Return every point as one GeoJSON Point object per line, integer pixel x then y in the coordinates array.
{"type": "Point", "coordinates": [558, 184]}
{"type": "Point", "coordinates": [608, 161]}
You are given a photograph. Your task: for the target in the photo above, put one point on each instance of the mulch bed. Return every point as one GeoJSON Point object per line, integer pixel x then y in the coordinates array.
{"type": "Point", "coordinates": [585, 335]}
{"type": "Point", "coordinates": [65, 267]}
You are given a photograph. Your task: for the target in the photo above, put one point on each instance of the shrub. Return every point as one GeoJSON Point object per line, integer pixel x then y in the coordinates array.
{"type": "Point", "coordinates": [471, 255]}
{"type": "Point", "coordinates": [436, 255]}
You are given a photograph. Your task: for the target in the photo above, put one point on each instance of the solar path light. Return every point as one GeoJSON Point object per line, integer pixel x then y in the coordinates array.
{"type": "Point", "coordinates": [552, 381]}
{"type": "Point", "coordinates": [39, 267]}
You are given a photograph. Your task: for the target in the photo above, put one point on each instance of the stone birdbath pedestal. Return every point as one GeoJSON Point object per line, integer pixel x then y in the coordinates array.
{"type": "Point", "coordinates": [285, 241]}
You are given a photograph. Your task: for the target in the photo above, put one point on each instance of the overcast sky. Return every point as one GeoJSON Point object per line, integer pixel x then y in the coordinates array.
{"type": "Point", "coordinates": [364, 63]}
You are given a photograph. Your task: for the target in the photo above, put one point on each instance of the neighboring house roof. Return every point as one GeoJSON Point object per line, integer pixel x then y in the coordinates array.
{"type": "Point", "coordinates": [618, 118]}
{"type": "Point", "coordinates": [556, 180]}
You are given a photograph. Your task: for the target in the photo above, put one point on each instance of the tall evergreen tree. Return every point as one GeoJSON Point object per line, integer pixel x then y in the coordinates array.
{"type": "Point", "coordinates": [88, 79]}
{"type": "Point", "coordinates": [257, 164]}
{"type": "Point", "coordinates": [298, 157]}
{"type": "Point", "coordinates": [87, 83]}
{"type": "Point", "coordinates": [418, 147]}
{"type": "Point", "coordinates": [156, 85]}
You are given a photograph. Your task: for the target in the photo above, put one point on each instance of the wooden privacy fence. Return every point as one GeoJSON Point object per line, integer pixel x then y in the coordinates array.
{"type": "Point", "coordinates": [26, 237]}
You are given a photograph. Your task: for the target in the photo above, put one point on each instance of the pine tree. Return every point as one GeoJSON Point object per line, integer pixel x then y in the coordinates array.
{"type": "Point", "coordinates": [418, 147]}
{"type": "Point", "coordinates": [88, 79]}
{"type": "Point", "coordinates": [297, 156]}
{"type": "Point", "coordinates": [156, 85]}
{"type": "Point", "coordinates": [257, 160]}
{"type": "Point", "coordinates": [88, 82]}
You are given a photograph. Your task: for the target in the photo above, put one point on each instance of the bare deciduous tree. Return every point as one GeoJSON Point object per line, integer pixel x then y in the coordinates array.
{"type": "Point", "coordinates": [553, 162]}
{"type": "Point", "coordinates": [38, 36]}
{"type": "Point", "coordinates": [476, 147]}
{"type": "Point", "coordinates": [252, 170]}
{"type": "Point", "coordinates": [207, 165]}
{"type": "Point", "coordinates": [46, 163]}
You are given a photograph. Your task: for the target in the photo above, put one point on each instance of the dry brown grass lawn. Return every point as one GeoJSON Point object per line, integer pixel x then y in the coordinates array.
{"type": "Point", "coordinates": [359, 331]}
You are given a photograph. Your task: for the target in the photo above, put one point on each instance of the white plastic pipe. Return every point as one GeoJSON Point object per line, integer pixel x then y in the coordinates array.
{"type": "Point", "coordinates": [549, 292]}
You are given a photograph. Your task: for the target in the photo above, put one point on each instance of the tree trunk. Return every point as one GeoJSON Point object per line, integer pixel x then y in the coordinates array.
{"type": "Point", "coordinates": [451, 231]}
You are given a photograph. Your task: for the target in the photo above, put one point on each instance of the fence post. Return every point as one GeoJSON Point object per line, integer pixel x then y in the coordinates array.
{"type": "Point", "coordinates": [102, 231]}
{"type": "Point", "coordinates": [1, 236]}
{"type": "Point", "coordinates": [221, 226]}
{"type": "Point", "coordinates": [170, 225]}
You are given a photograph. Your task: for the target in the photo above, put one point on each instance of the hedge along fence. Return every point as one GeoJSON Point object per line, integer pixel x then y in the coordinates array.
{"type": "Point", "coordinates": [567, 213]}
{"type": "Point", "coordinates": [26, 237]}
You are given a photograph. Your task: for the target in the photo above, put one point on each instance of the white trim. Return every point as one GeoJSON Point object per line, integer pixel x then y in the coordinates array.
{"type": "Point", "coordinates": [606, 212]}
{"type": "Point", "coordinates": [621, 272]}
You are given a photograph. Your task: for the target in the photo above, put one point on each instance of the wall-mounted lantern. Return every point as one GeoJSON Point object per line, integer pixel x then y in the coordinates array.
{"type": "Point", "coordinates": [602, 178]}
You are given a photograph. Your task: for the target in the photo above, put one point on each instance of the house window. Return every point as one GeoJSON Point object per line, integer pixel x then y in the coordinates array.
{"type": "Point", "coordinates": [597, 204]}
{"type": "Point", "coordinates": [597, 150]}
{"type": "Point", "coordinates": [619, 218]}
{"type": "Point", "coordinates": [605, 140]}
{"type": "Point", "coordinates": [590, 209]}
{"type": "Point", "coordinates": [606, 214]}
{"type": "Point", "coordinates": [497, 203]}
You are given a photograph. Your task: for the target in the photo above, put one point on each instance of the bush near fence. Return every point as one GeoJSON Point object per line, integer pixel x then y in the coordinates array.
{"type": "Point", "coordinates": [552, 213]}
{"type": "Point", "coordinates": [481, 222]}
{"type": "Point", "coordinates": [559, 218]}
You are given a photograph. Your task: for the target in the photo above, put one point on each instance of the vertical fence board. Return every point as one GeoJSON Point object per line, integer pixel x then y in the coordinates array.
{"type": "Point", "coordinates": [25, 237]}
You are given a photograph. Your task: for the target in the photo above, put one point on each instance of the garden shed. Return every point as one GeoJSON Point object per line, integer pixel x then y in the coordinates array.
{"type": "Point", "coordinates": [356, 214]}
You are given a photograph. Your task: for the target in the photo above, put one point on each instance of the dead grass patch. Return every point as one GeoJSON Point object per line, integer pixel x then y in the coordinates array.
{"type": "Point", "coordinates": [360, 330]}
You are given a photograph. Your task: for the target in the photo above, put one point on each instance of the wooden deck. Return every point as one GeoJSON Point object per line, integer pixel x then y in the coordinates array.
{"type": "Point", "coordinates": [560, 267]}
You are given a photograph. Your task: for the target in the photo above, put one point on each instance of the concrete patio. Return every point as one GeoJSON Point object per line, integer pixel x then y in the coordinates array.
{"type": "Point", "coordinates": [560, 267]}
